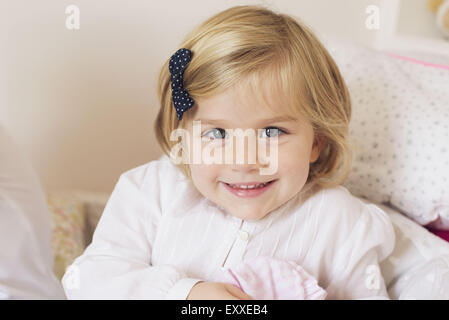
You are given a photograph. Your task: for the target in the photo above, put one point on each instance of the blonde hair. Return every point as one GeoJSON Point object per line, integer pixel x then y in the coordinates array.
{"type": "Point", "coordinates": [253, 44]}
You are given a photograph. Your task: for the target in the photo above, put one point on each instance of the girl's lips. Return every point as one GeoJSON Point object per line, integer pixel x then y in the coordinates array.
{"type": "Point", "coordinates": [248, 193]}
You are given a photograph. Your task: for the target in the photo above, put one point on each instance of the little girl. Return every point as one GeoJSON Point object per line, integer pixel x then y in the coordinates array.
{"type": "Point", "coordinates": [170, 228]}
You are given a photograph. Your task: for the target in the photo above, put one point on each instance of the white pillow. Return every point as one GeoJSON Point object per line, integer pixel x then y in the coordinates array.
{"type": "Point", "coordinates": [26, 260]}
{"type": "Point", "coordinates": [418, 267]}
{"type": "Point", "coordinates": [400, 127]}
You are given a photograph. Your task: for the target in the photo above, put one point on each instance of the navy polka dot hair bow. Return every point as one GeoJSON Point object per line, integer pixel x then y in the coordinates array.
{"type": "Point", "coordinates": [181, 98]}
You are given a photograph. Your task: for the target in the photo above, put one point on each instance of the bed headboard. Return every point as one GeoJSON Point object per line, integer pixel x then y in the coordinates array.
{"type": "Point", "coordinates": [409, 25]}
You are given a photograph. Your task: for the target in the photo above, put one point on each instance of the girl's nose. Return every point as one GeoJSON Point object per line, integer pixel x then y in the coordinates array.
{"type": "Point", "coordinates": [245, 156]}
{"type": "Point", "coordinates": [246, 167]}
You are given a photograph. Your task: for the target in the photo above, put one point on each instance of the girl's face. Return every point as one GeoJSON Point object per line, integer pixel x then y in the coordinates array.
{"type": "Point", "coordinates": [296, 150]}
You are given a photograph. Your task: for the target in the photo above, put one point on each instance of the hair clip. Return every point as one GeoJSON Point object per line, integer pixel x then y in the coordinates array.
{"type": "Point", "coordinates": [181, 98]}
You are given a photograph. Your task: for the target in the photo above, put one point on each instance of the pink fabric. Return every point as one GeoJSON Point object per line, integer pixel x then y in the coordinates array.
{"type": "Point", "coordinates": [440, 233]}
{"type": "Point", "coordinates": [267, 278]}
{"type": "Point", "coordinates": [427, 64]}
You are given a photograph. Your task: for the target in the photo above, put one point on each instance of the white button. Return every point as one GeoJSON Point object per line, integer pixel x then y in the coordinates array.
{"type": "Point", "coordinates": [243, 235]}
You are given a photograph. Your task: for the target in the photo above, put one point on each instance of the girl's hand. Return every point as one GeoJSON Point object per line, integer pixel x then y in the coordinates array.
{"type": "Point", "coordinates": [216, 291]}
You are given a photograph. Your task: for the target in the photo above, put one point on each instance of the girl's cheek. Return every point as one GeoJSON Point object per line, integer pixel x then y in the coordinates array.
{"type": "Point", "coordinates": [204, 173]}
{"type": "Point", "coordinates": [293, 159]}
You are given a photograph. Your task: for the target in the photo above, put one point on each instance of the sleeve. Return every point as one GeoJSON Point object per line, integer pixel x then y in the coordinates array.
{"type": "Point", "coordinates": [117, 264]}
{"type": "Point", "coordinates": [356, 272]}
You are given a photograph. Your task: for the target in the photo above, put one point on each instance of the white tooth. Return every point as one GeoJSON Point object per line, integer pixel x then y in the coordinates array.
{"type": "Point", "coordinates": [251, 186]}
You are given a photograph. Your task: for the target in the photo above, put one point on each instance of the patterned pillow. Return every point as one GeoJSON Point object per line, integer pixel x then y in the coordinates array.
{"type": "Point", "coordinates": [68, 230]}
{"type": "Point", "coordinates": [400, 128]}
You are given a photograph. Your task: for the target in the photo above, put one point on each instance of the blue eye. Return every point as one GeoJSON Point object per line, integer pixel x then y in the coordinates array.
{"type": "Point", "coordinates": [272, 132]}
{"type": "Point", "coordinates": [215, 133]}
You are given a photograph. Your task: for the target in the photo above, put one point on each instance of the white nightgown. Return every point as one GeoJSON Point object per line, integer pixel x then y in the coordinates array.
{"type": "Point", "coordinates": [158, 236]}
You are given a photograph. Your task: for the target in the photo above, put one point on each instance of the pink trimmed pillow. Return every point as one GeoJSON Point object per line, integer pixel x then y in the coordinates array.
{"type": "Point", "coordinates": [400, 128]}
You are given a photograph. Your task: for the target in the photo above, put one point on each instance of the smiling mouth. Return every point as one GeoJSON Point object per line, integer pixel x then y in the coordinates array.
{"type": "Point", "coordinates": [249, 190]}
{"type": "Point", "coordinates": [249, 186]}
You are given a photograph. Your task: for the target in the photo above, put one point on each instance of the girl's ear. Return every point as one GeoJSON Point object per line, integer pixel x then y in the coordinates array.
{"type": "Point", "coordinates": [318, 145]}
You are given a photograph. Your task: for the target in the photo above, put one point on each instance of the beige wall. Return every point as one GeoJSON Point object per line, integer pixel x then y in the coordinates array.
{"type": "Point", "coordinates": [82, 103]}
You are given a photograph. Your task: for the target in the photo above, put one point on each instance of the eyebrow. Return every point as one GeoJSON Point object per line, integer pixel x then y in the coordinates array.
{"type": "Point", "coordinates": [285, 118]}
